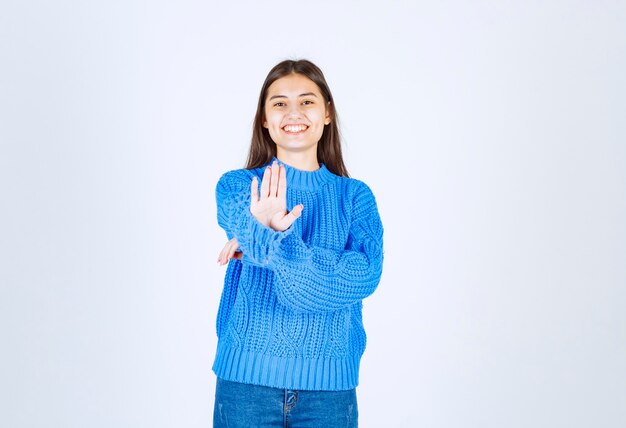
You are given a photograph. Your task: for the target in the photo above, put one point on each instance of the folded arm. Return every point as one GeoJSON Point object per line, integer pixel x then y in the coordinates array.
{"type": "Point", "coordinates": [317, 279]}
{"type": "Point", "coordinates": [310, 278]}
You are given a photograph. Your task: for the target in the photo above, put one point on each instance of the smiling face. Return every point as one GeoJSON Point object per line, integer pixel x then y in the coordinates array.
{"type": "Point", "coordinates": [295, 114]}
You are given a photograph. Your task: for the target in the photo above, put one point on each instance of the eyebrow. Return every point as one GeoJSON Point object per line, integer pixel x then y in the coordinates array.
{"type": "Point", "coordinates": [306, 94]}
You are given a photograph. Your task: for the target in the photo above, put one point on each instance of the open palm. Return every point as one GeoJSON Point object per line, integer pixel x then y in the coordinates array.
{"type": "Point", "coordinates": [270, 207]}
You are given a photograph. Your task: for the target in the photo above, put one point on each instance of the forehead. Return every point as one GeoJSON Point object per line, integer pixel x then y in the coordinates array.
{"type": "Point", "coordinates": [292, 86]}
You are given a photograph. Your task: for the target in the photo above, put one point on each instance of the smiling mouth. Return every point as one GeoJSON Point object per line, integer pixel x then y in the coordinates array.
{"type": "Point", "coordinates": [294, 129]}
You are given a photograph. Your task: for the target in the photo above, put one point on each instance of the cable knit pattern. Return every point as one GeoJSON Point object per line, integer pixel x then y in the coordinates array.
{"type": "Point", "coordinates": [290, 312]}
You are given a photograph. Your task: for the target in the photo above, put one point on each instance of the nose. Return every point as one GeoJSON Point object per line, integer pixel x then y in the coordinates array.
{"type": "Point", "coordinates": [294, 110]}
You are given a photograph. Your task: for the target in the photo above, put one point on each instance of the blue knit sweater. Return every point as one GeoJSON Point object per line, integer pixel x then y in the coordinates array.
{"type": "Point", "coordinates": [290, 312]}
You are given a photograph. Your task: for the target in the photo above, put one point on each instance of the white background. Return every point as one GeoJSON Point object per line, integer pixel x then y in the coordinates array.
{"type": "Point", "coordinates": [493, 134]}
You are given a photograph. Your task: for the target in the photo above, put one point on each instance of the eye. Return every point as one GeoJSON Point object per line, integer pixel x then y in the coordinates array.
{"type": "Point", "coordinates": [307, 102]}
{"type": "Point", "coordinates": [279, 104]}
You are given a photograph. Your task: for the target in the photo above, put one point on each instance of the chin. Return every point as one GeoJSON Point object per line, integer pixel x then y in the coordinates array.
{"type": "Point", "coordinates": [295, 145]}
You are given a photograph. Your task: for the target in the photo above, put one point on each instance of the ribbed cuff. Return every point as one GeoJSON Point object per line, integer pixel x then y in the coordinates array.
{"type": "Point", "coordinates": [257, 241]}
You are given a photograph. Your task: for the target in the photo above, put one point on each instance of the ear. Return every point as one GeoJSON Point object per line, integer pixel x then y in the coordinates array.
{"type": "Point", "coordinates": [264, 123]}
{"type": "Point", "coordinates": [328, 110]}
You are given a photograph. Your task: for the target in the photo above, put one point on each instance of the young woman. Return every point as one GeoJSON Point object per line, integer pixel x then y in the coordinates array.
{"type": "Point", "coordinates": [305, 248]}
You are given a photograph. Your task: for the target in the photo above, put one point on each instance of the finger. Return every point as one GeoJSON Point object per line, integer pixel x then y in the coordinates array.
{"type": "Point", "coordinates": [231, 253]}
{"type": "Point", "coordinates": [274, 182]}
{"type": "Point", "coordinates": [234, 243]}
{"type": "Point", "coordinates": [254, 190]}
{"type": "Point", "coordinates": [232, 247]}
{"type": "Point", "coordinates": [222, 255]}
{"type": "Point", "coordinates": [282, 184]}
{"type": "Point", "coordinates": [265, 183]}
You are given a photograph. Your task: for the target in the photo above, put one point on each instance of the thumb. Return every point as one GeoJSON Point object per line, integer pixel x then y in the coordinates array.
{"type": "Point", "coordinates": [297, 211]}
{"type": "Point", "coordinates": [285, 222]}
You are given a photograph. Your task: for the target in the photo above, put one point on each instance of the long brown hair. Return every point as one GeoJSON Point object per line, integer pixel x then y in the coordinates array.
{"type": "Point", "coordinates": [262, 148]}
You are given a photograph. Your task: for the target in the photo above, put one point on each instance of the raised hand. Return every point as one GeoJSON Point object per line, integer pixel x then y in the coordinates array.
{"type": "Point", "coordinates": [270, 207]}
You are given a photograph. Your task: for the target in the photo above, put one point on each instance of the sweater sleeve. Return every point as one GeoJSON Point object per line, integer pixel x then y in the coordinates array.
{"type": "Point", "coordinates": [315, 279]}
{"type": "Point", "coordinates": [233, 215]}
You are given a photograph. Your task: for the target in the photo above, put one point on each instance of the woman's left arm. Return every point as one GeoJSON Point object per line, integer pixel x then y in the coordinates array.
{"type": "Point", "coordinates": [316, 279]}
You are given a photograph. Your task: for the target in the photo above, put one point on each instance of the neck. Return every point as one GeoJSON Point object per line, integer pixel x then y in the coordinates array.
{"type": "Point", "coordinates": [300, 179]}
{"type": "Point", "coordinates": [304, 161]}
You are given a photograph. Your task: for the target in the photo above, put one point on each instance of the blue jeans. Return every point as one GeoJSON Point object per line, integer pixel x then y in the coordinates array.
{"type": "Point", "coordinates": [240, 405]}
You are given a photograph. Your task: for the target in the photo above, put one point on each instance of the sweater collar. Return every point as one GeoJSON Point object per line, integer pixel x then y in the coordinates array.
{"type": "Point", "coordinates": [304, 180]}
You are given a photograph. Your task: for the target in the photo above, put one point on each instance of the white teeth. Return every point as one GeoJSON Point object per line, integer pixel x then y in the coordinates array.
{"type": "Point", "coordinates": [295, 128]}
